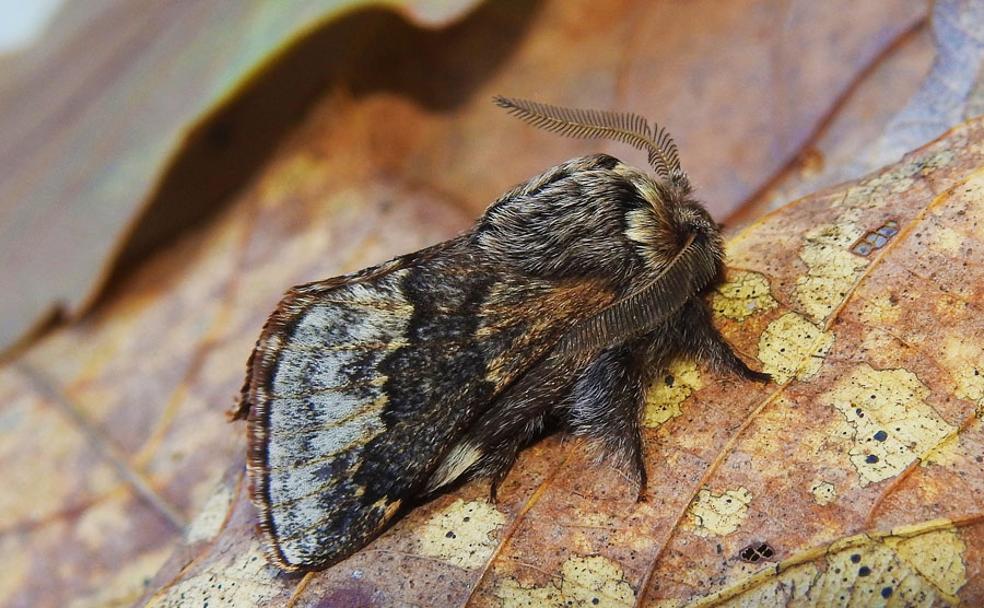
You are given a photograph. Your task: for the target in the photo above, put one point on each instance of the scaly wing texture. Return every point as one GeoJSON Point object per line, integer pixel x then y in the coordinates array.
{"type": "Point", "coordinates": [343, 423]}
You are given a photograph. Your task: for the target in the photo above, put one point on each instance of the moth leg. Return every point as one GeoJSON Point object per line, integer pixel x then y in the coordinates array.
{"type": "Point", "coordinates": [700, 337]}
{"type": "Point", "coordinates": [494, 486]}
{"type": "Point", "coordinates": [489, 449]}
{"type": "Point", "coordinates": [606, 404]}
{"type": "Point", "coordinates": [500, 462]}
{"type": "Point", "coordinates": [640, 467]}
{"type": "Point", "coordinates": [491, 445]}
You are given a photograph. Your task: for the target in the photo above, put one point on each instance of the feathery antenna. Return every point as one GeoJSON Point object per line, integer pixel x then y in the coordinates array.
{"type": "Point", "coordinates": [632, 129]}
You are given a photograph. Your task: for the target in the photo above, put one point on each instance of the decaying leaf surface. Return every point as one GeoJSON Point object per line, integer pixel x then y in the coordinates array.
{"type": "Point", "coordinates": [91, 139]}
{"type": "Point", "coordinates": [864, 475]}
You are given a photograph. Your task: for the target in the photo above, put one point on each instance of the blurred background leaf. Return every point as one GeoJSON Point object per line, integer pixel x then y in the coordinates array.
{"type": "Point", "coordinates": [872, 128]}
{"type": "Point", "coordinates": [96, 115]}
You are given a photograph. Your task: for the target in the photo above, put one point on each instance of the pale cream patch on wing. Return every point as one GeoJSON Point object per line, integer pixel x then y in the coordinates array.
{"type": "Point", "coordinates": [456, 462]}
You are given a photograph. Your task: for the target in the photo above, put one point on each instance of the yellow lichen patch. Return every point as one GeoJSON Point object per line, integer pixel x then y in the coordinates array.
{"type": "Point", "coordinates": [247, 581]}
{"type": "Point", "coordinates": [780, 591]}
{"type": "Point", "coordinates": [919, 566]}
{"type": "Point", "coordinates": [876, 191]}
{"type": "Point", "coordinates": [824, 492]}
{"type": "Point", "coordinates": [932, 162]}
{"type": "Point", "coordinates": [209, 521]}
{"type": "Point", "coordinates": [945, 454]}
{"type": "Point", "coordinates": [791, 346]}
{"type": "Point", "coordinates": [667, 395]}
{"type": "Point", "coordinates": [937, 556]}
{"type": "Point", "coordinates": [743, 295]}
{"type": "Point", "coordinates": [963, 357]}
{"type": "Point", "coordinates": [462, 533]}
{"type": "Point", "coordinates": [893, 425]}
{"type": "Point", "coordinates": [719, 514]}
{"type": "Point", "coordinates": [946, 240]}
{"type": "Point", "coordinates": [879, 311]}
{"type": "Point", "coordinates": [831, 268]}
{"type": "Point", "coordinates": [968, 197]}
{"type": "Point", "coordinates": [584, 582]}
{"type": "Point", "coordinates": [859, 574]}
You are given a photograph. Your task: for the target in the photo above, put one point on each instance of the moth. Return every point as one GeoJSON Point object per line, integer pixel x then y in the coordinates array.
{"type": "Point", "coordinates": [564, 301]}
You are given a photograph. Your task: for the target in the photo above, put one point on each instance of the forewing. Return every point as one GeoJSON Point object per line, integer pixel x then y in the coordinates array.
{"type": "Point", "coordinates": [357, 387]}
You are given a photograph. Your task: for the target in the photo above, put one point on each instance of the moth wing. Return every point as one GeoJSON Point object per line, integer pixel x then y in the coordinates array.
{"type": "Point", "coordinates": [358, 386]}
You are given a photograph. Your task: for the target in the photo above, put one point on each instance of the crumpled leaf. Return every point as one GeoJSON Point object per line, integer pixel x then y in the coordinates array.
{"type": "Point", "coordinates": [932, 80]}
{"type": "Point", "coordinates": [94, 117]}
{"type": "Point", "coordinates": [89, 165]}
{"type": "Point", "coordinates": [863, 475]}
{"type": "Point", "coordinates": [953, 90]}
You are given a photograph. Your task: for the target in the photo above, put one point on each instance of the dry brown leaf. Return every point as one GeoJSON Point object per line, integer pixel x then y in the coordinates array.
{"type": "Point", "coordinates": [862, 469]}
{"type": "Point", "coordinates": [95, 507]}
{"type": "Point", "coordinates": [572, 528]}
{"type": "Point", "coordinates": [89, 168]}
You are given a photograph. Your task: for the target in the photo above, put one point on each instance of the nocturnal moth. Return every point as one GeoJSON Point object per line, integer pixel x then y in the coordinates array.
{"type": "Point", "coordinates": [567, 297]}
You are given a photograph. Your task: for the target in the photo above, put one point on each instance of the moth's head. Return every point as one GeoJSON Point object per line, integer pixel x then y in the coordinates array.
{"type": "Point", "coordinates": [692, 218]}
{"type": "Point", "coordinates": [669, 218]}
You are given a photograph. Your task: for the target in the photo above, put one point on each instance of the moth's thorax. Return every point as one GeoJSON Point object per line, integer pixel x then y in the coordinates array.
{"type": "Point", "coordinates": [592, 218]}
{"type": "Point", "coordinates": [565, 224]}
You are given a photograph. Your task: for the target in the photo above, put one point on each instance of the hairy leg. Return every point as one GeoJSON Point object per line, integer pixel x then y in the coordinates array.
{"type": "Point", "coordinates": [608, 397]}
{"type": "Point", "coordinates": [601, 399]}
{"type": "Point", "coordinates": [517, 418]}
{"type": "Point", "coordinates": [697, 335]}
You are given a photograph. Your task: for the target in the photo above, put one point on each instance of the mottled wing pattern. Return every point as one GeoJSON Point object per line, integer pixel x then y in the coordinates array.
{"type": "Point", "coordinates": [358, 386]}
